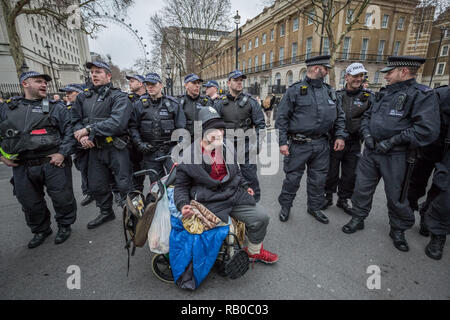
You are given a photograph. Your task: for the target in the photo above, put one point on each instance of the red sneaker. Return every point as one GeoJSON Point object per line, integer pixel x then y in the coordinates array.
{"type": "Point", "coordinates": [263, 256]}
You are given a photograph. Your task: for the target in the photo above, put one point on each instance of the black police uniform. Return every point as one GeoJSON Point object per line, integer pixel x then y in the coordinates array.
{"type": "Point", "coordinates": [354, 103]}
{"type": "Point", "coordinates": [151, 127]}
{"type": "Point", "coordinates": [306, 114]}
{"type": "Point", "coordinates": [244, 112]}
{"type": "Point", "coordinates": [428, 156]}
{"type": "Point", "coordinates": [106, 110]}
{"type": "Point", "coordinates": [406, 115]}
{"type": "Point", "coordinates": [35, 129]}
{"type": "Point", "coordinates": [191, 106]}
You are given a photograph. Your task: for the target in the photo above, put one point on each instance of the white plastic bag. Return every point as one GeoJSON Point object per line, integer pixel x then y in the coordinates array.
{"type": "Point", "coordinates": [159, 232]}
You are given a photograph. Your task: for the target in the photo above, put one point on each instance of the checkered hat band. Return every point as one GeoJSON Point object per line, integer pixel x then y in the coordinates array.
{"type": "Point", "coordinates": [312, 63]}
{"type": "Point", "coordinates": [404, 64]}
{"type": "Point", "coordinates": [71, 88]}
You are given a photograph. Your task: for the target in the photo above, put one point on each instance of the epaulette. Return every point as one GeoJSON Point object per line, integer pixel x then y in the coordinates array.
{"type": "Point", "coordinates": [131, 96]}
{"type": "Point", "coordinates": [172, 99]}
{"type": "Point", "coordinates": [13, 102]}
{"type": "Point", "coordinates": [424, 88]}
{"type": "Point", "coordinates": [144, 99]}
{"type": "Point", "coordinates": [367, 92]}
{"type": "Point", "coordinates": [298, 82]}
{"type": "Point", "coordinates": [87, 92]}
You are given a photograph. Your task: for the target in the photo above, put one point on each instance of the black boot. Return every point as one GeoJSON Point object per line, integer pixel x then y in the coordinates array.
{"type": "Point", "coordinates": [319, 216]}
{"type": "Point", "coordinates": [39, 239]}
{"type": "Point", "coordinates": [87, 199]}
{"type": "Point", "coordinates": [399, 239]}
{"type": "Point", "coordinates": [357, 223]}
{"type": "Point", "coordinates": [103, 217]}
{"type": "Point", "coordinates": [435, 247]}
{"type": "Point", "coordinates": [344, 205]}
{"type": "Point", "coordinates": [328, 201]}
{"type": "Point", "coordinates": [284, 214]}
{"type": "Point", "coordinates": [63, 234]}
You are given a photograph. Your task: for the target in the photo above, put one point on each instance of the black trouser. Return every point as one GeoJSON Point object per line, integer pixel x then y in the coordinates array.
{"type": "Point", "coordinates": [136, 159]}
{"type": "Point", "coordinates": [81, 162]}
{"type": "Point", "coordinates": [392, 168]}
{"type": "Point", "coordinates": [428, 157]}
{"type": "Point", "coordinates": [106, 165]}
{"type": "Point", "coordinates": [29, 183]}
{"type": "Point", "coordinates": [160, 166]}
{"type": "Point", "coordinates": [316, 156]}
{"type": "Point", "coordinates": [346, 162]}
{"type": "Point", "coordinates": [437, 218]}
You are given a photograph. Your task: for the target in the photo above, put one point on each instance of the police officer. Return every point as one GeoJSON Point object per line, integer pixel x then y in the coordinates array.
{"type": "Point", "coordinates": [427, 158]}
{"type": "Point", "coordinates": [192, 101]}
{"type": "Point", "coordinates": [37, 142]}
{"type": "Point", "coordinates": [155, 117]}
{"type": "Point", "coordinates": [137, 88]}
{"type": "Point", "coordinates": [405, 115]}
{"type": "Point", "coordinates": [100, 117]}
{"type": "Point", "coordinates": [81, 155]}
{"type": "Point", "coordinates": [305, 116]}
{"type": "Point", "coordinates": [212, 89]}
{"type": "Point", "coordinates": [354, 100]}
{"type": "Point", "coordinates": [241, 111]}
{"type": "Point", "coordinates": [437, 217]}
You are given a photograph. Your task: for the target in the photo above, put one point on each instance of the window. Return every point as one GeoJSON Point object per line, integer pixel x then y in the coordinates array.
{"type": "Point", "coordinates": [250, 45]}
{"type": "Point", "coordinates": [326, 46]}
{"type": "Point", "coordinates": [311, 15]}
{"type": "Point", "coordinates": [302, 74]}
{"type": "Point", "coordinates": [290, 78]}
{"type": "Point", "coordinates": [385, 22]}
{"type": "Point", "coordinates": [243, 66]}
{"type": "Point", "coordinates": [346, 48]}
{"type": "Point", "coordinates": [308, 47]}
{"type": "Point", "coordinates": [401, 22]}
{"type": "Point", "coordinates": [272, 34]}
{"type": "Point", "coordinates": [381, 50]}
{"type": "Point", "coordinates": [256, 42]}
{"type": "Point", "coordinates": [295, 24]}
{"type": "Point", "coordinates": [243, 47]}
{"type": "Point", "coordinates": [282, 30]}
{"type": "Point", "coordinates": [444, 51]}
{"type": "Point", "coordinates": [447, 33]}
{"type": "Point", "coordinates": [440, 68]}
{"type": "Point", "coordinates": [376, 77]}
{"type": "Point", "coordinates": [364, 46]}
{"type": "Point", "coordinates": [263, 60]}
{"type": "Point", "coordinates": [249, 64]}
{"type": "Point", "coordinates": [294, 51]}
{"type": "Point", "coordinates": [349, 18]}
{"type": "Point", "coordinates": [271, 59]}
{"type": "Point", "coordinates": [264, 39]}
{"type": "Point", "coordinates": [281, 56]}
{"type": "Point", "coordinates": [368, 19]}
{"type": "Point", "coordinates": [396, 48]}
{"type": "Point", "coordinates": [278, 79]}
{"type": "Point", "coordinates": [256, 63]}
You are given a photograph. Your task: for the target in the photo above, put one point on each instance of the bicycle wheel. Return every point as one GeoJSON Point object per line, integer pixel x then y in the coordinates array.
{"type": "Point", "coordinates": [161, 268]}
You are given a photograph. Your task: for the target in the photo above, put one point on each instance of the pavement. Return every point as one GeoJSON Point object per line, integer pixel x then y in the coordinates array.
{"type": "Point", "coordinates": [316, 261]}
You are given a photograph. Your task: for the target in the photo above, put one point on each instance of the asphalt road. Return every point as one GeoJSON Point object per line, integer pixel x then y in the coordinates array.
{"type": "Point", "coordinates": [316, 261]}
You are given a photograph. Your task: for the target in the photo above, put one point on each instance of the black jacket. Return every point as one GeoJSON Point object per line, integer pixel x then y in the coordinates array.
{"type": "Point", "coordinates": [193, 182]}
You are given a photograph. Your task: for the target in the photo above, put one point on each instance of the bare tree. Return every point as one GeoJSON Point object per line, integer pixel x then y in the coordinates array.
{"type": "Point", "coordinates": [60, 13]}
{"type": "Point", "coordinates": [185, 32]}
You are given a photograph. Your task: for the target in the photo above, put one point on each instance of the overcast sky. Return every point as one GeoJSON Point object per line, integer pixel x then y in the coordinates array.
{"type": "Point", "coordinates": [122, 47]}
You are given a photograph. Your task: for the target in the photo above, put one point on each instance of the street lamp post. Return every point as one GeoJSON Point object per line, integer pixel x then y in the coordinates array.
{"type": "Point", "coordinates": [324, 9]}
{"type": "Point", "coordinates": [51, 66]}
{"type": "Point", "coordinates": [24, 68]}
{"type": "Point", "coordinates": [437, 54]}
{"type": "Point", "coordinates": [237, 20]}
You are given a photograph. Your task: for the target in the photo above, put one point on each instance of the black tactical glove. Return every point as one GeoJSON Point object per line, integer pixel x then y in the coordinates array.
{"type": "Point", "coordinates": [384, 146]}
{"type": "Point", "coordinates": [369, 142]}
{"type": "Point", "coordinates": [144, 147]}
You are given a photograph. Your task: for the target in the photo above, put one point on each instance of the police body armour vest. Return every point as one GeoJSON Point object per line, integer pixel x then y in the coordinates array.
{"type": "Point", "coordinates": [29, 128]}
{"type": "Point", "coordinates": [97, 106]}
{"type": "Point", "coordinates": [157, 121]}
{"type": "Point", "coordinates": [191, 108]}
{"type": "Point", "coordinates": [237, 114]}
{"type": "Point", "coordinates": [354, 107]}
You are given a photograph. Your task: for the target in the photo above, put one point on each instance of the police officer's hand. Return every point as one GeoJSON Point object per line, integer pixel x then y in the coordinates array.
{"type": "Point", "coordinates": [369, 142]}
{"type": "Point", "coordinates": [86, 143]}
{"type": "Point", "coordinates": [144, 147]}
{"type": "Point", "coordinates": [80, 133]}
{"type": "Point", "coordinates": [57, 159]}
{"type": "Point", "coordinates": [339, 145]}
{"type": "Point", "coordinates": [250, 191]}
{"type": "Point", "coordinates": [186, 211]}
{"type": "Point", "coordinates": [384, 146]}
{"type": "Point", "coordinates": [284, 150]}
{"type": "Point", "coordinates": [8, 162]}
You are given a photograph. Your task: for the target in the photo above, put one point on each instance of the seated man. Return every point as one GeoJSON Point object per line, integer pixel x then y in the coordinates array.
{"type": "Point", "coordinates": [208, 177]}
